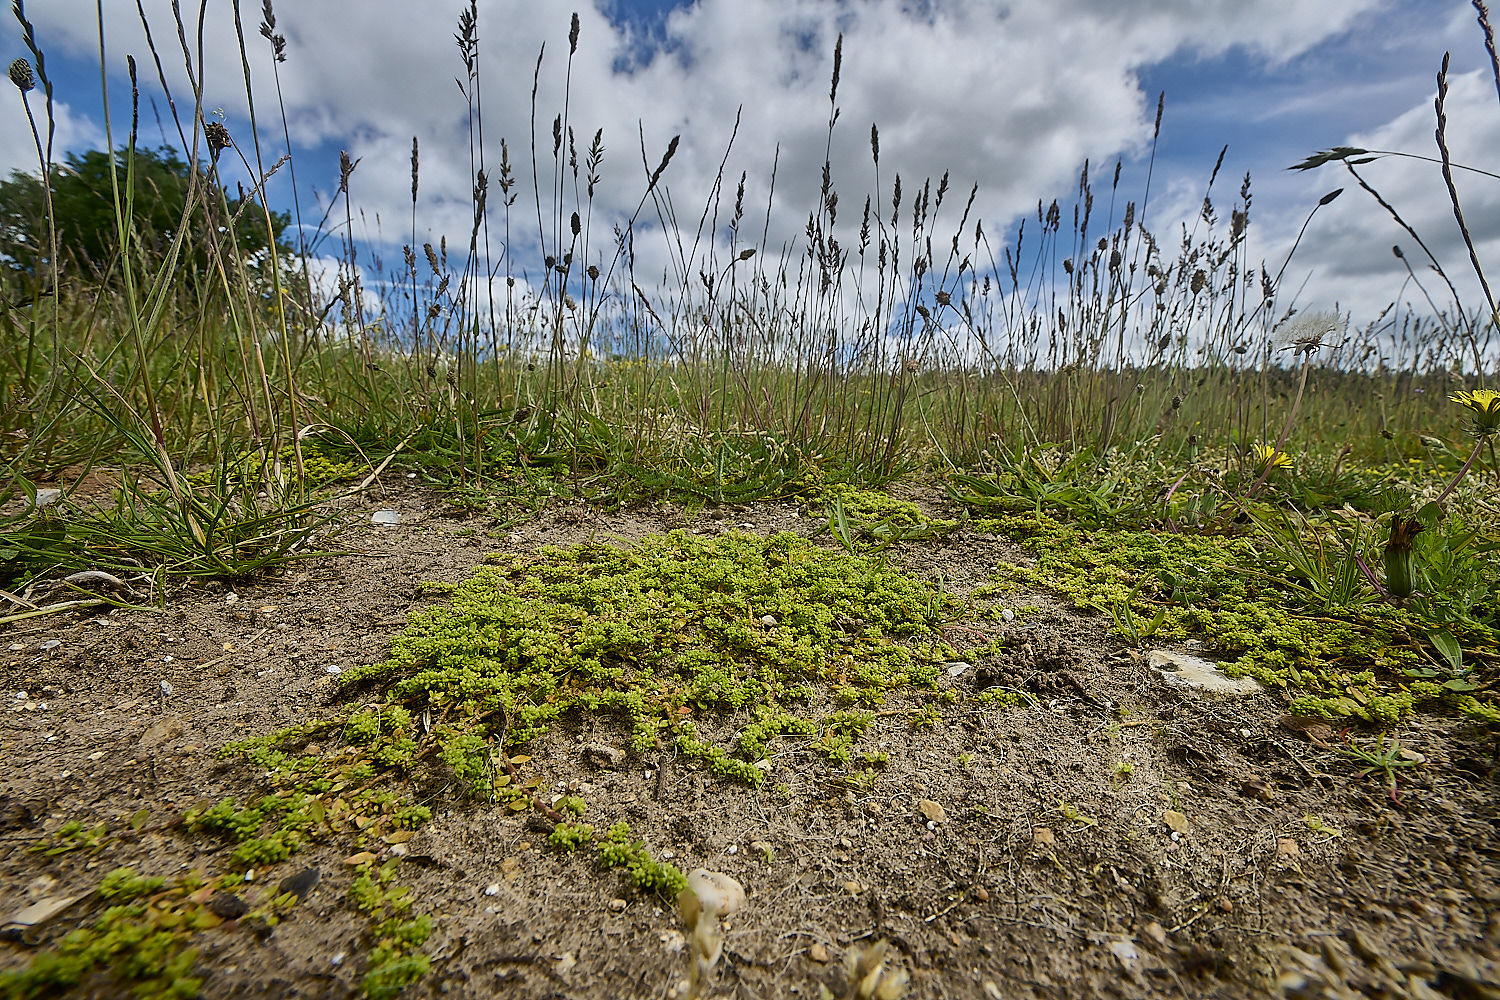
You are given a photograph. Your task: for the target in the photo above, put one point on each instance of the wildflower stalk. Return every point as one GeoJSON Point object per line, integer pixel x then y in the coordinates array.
{"type": "Point", "coordinates": [1286, 430]}
{"type": "Point", "coordinates": [1461, 472]}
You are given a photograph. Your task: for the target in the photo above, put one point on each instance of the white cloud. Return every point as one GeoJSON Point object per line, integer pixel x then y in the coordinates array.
{"type": "Point", "coordinates": [18, 149]}
{"type": "Point", "coordinates": [1014, 96]}
{"type": "Point", "coordinates": [1350, 242]}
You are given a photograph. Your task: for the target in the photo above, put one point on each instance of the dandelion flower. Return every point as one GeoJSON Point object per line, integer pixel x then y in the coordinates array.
{"type": "Point", "coordinates": [1486, 406]}
{"type": "Point", "coordinates": [1268, 457]}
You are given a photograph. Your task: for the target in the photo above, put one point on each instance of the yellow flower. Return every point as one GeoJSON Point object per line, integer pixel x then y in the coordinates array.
{"type": "Point", "coordinates": [1486, 406]}
{"type": "Point", "coordinates": [1266, 456]}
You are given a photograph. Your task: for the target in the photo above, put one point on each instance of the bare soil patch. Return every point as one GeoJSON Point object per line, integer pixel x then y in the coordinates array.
{"type": "Point", "coordinates": [1051, 867]}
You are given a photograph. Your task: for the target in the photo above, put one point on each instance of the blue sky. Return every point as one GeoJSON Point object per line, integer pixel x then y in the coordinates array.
{"type": "Point", "coordinates": [1014, 96]}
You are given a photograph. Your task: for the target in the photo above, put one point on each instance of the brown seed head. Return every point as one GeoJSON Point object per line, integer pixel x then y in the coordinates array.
{"type": "Point", "coordinates": [217, 136]}
{"type": "Point", "coordinates": [22, 76]}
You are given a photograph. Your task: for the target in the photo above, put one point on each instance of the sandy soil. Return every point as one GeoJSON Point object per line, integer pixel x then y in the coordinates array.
{"type": "Point", "coordinates": [1286, 864]}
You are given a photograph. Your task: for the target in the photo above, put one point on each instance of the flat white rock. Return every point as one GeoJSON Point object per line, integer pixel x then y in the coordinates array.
{"type": "Point", "coordinates": [1184, 671]}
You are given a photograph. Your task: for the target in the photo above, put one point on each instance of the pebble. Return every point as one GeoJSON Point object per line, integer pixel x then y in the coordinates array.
{"type": "Point", "coordinates": [818, 952]}
{"type": "Point", "coordinates": [1008, 615]}
{"type": "Point", "coordinates": [933, 811]}
{"type": "Point", "coordinates": [1193, 672]}
{"type": "Point", "coordinates": [617, 905]}
{"type": "Point", "coordinates": [493, 889]}
{"type": "Point", "coordinates": [52, 644]}
{"type": "Point", "coordinates": [1043, 837]}
{"type": "Point", "coordinates": [385, 517]}
{"type": "Point", "coordinates": [334, 669]}
{"type": "Point", "coordinates": [853, 888]}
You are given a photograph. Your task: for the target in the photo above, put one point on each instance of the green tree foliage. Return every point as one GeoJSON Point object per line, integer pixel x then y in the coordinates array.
{"type": "Point", "coordinates": [87, 237]}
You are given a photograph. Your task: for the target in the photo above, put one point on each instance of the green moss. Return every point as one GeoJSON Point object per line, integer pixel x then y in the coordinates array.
{"type": "Point", "coordinates": [1228, 590]}
{"type": "Point", "coordinates": [674, 625]}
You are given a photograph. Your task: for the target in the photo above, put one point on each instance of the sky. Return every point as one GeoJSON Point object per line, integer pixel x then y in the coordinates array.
{"type": "Point", "coordinates": [1015, 96]}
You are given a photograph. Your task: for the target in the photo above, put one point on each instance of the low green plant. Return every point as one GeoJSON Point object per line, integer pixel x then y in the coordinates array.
{"type": "Point", "coordinates": [618, 850]}
{"type": "Point", "coordinates": [568, 837]}
{"type": "Point", "coordinates": [1386, 758]}
{"type": "Point", "coordinates": [395, 962]}
{"type": "Point", "coordinates": [654, 633]}
{"type": "Point", "coordinates": [73, 836]}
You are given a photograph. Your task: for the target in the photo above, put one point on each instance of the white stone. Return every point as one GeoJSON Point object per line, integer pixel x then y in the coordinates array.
{"type": "Point", "coordinates": [1184, 671]}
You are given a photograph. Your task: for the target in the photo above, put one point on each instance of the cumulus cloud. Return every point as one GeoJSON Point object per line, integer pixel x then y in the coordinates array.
{"type": "Point", "coordinates": [1013, 96]}
{"type": "Point", "coordinates": [18, 146]}
{"type": "Point", "coordinates": [1353, 240]}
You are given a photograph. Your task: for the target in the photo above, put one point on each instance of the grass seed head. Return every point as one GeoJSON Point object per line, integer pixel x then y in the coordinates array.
{"type": "Point", "coordinates": [22, 76]}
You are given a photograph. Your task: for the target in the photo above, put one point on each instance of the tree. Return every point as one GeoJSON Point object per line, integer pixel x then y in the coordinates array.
{"type": "Point", "coordinates": [87, 236]}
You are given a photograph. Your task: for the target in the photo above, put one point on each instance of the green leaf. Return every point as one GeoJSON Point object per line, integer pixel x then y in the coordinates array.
{"type": "Point", "coordinates": [1444, 643]}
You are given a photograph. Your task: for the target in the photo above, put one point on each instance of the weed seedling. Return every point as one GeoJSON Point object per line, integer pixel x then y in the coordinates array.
{"type": "Point", "coordinates": [1383, 758]}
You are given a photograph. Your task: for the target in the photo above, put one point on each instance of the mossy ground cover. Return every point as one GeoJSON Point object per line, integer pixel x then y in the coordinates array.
{"type": "Point", "coordinates": [658, 634]}
{"type": "Point", "coordinates": [1283, 590]}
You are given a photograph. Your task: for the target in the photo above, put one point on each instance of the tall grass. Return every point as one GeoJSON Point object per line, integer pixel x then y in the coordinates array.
{"type": "Point", "coordinates": [918, 340]}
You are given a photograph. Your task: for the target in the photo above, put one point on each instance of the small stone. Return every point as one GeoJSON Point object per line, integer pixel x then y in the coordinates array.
{"type": "Point", "coordinates": [337, 959]}
{"type": "Point", "coordinates": [40, 912]}
{"type": "Point", "coordinates": [227, 906]}
{"type": "Point", "coordinates": [956, 669]}
{"type": "Point", "coordinates": [603, 753]}
{"type": "Point", "coordinates": [493, 889]}
{"type": "Point", "coordinates": [873, 808]}
{"type": "Point", "coordinates": [385, 517]}
{"type": "Point", "coordinates": [1286, 846]}
{"type": "Point", "coordinates": [818, 953]}
{"type": "Point", "coordinates": [769, 620]}
{"type": "Point", "coordinates": [934, 812]}
{"type": "Point", "coordinates": [1256, 788]}
{"type": "Point", "coordinates": [300, 884]}
{"type": "Point", "coordinates": [1156, 932]}
{"type": "Point", "coordinates": [162, 731]}
{"type": "Point", "coordinates": [1176, 821]}
{"type": "Point", "coordinates": [853, 888]}
{"type": "Point", "coordinates": [1006, 614]}
{"type": "Point", "coordinates": [564, 964]}
{"type": "Point", "coordinates": [1043, 836]}
{"type": "Point", "coordinates": [334, 669]}
{"type": "Point", "coordinates": [1184, 671]}
{"type": "Point", "coordinates": [398, 850]}
{"type": "Point", "coordinates": [982, 894]}
{"type": "Point", "coordinates": [617, 906]}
